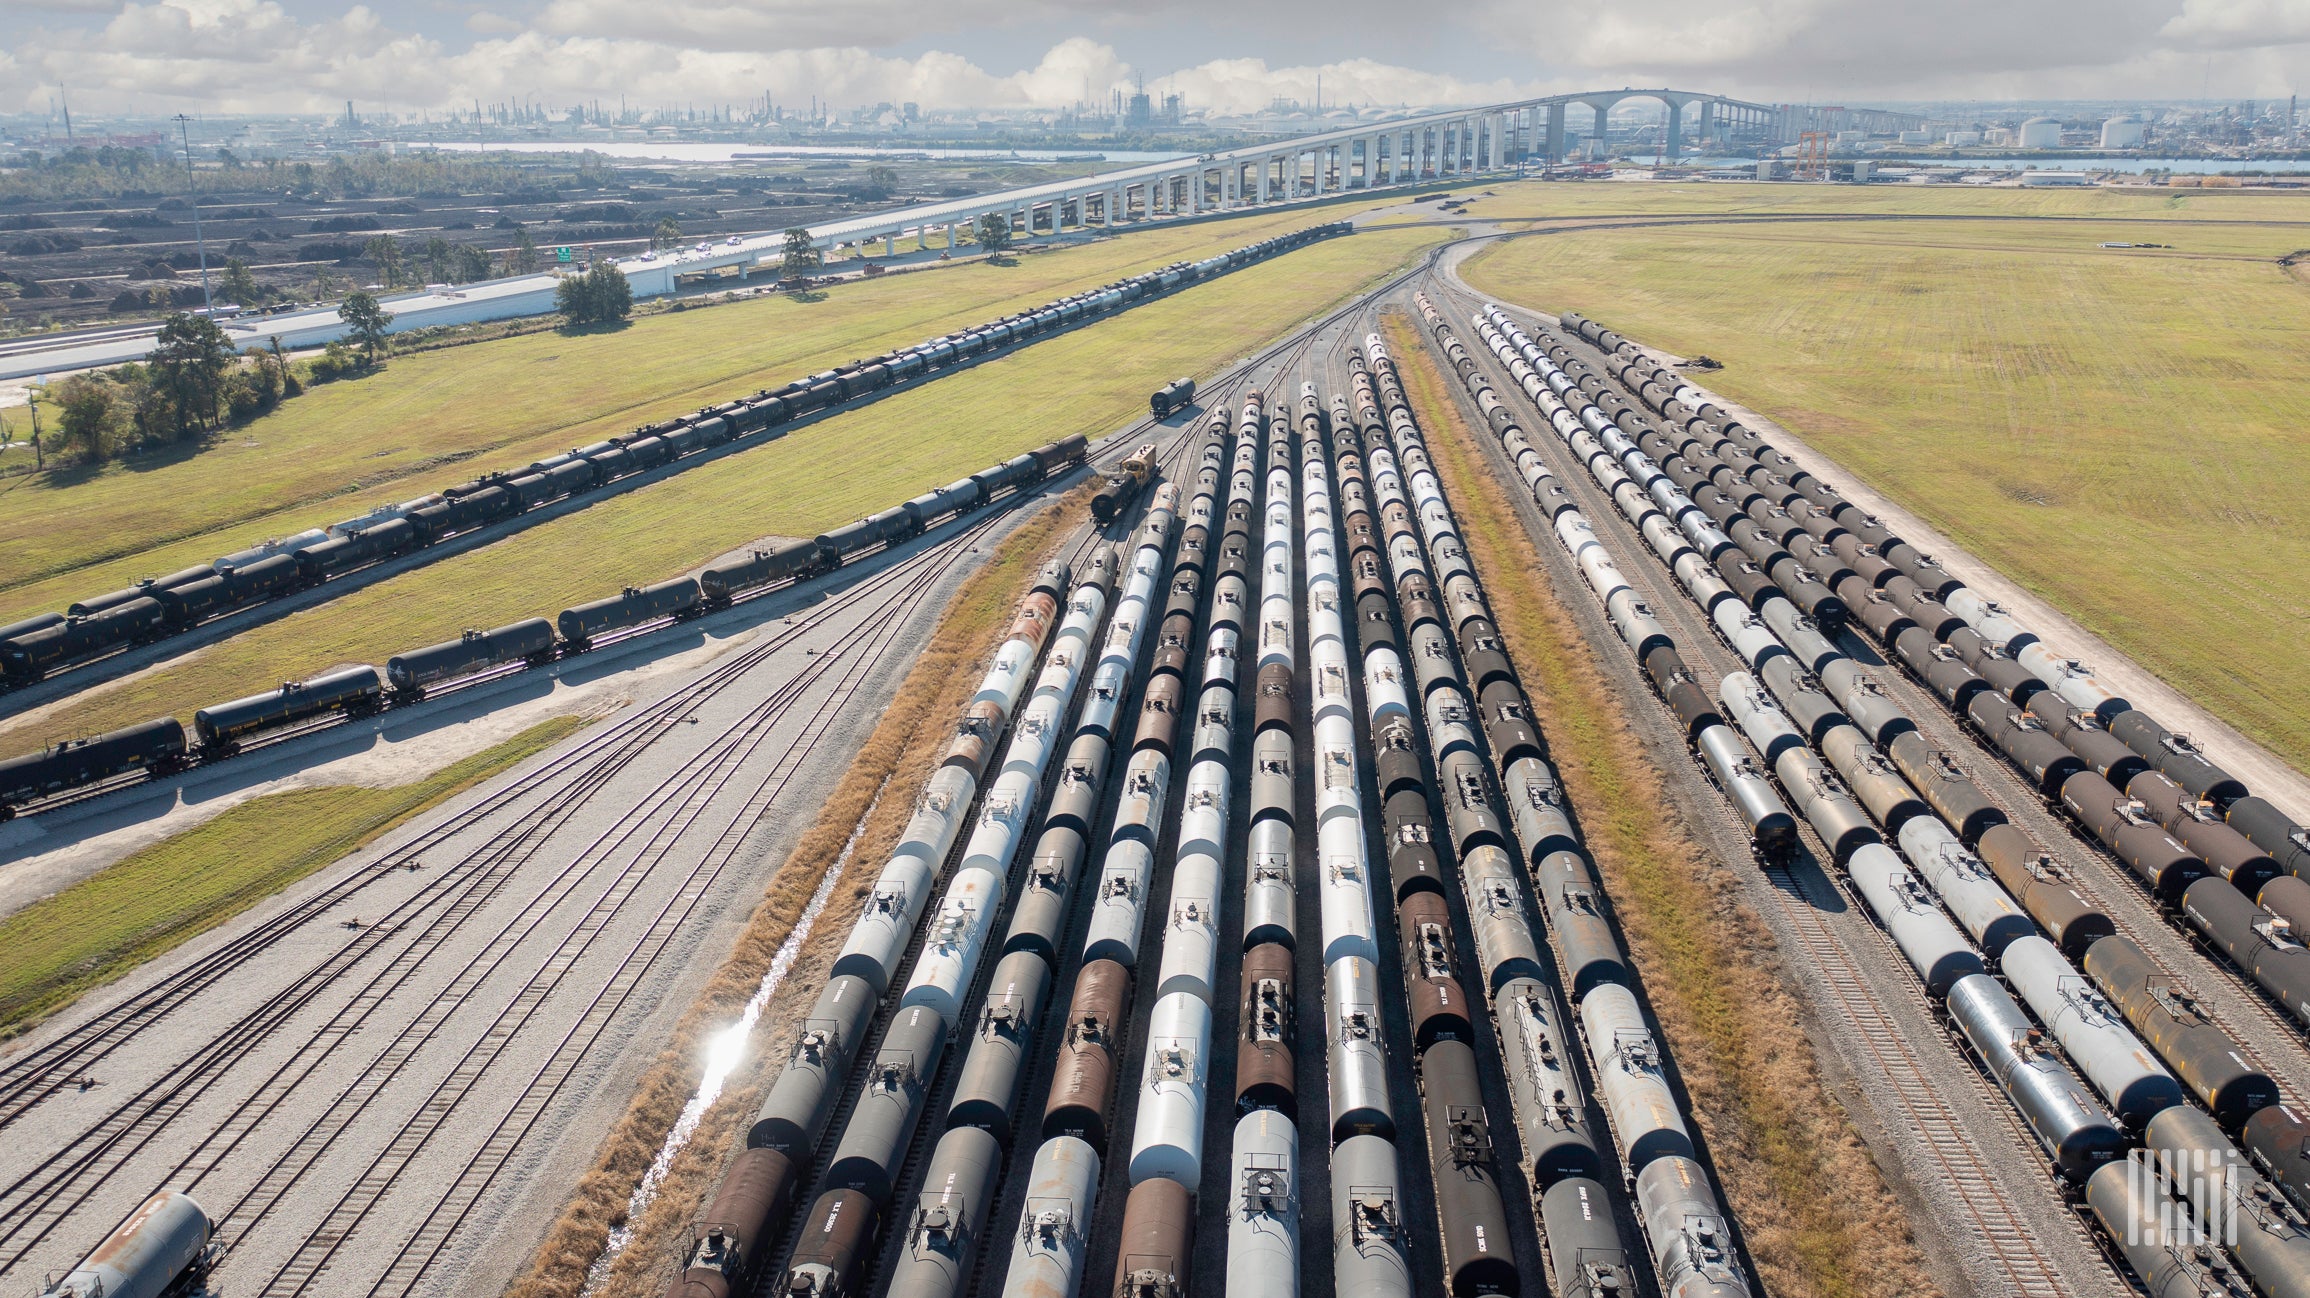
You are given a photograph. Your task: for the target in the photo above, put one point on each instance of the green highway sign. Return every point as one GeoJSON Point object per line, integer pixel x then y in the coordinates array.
{"type": "Point", "coordinates": [561, 253]}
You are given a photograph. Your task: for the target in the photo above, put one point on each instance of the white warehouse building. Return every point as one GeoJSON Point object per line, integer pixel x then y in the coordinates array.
{"type": "Point", "coordinates": [2122, 133]}
{"type": "Point", "coordinates": [2039, 133]}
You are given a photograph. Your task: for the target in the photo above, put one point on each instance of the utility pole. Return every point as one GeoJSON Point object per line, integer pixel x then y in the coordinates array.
{"type": "Point", "coordinates": [32, 403]}
{"type": "Point", "coordinates": [200, 241]}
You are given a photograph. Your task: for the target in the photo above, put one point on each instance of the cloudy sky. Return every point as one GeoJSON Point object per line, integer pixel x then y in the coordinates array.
{"type": "Point", "coordinates": [313, 55]}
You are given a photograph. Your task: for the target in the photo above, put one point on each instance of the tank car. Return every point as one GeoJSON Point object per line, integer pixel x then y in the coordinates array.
{"type": "Point", "coordinates": [2263, 946]}
{"type": "Point", "coordinates": [1153, 1256]}
{"type": "Point", "coordinates": [2091, 1032]}
{"type": "Point", "coordinates": [1082, 1084]}
{"type": "Point", "coordinates": [950, 1216]}
{"type": "Point", "coordinates": [1479, 1257]}
{"type": "Point", "coordinates": [155, 746]}
{"type": "Point", "coordinates": [1368, 1248]}
{"type": "Point", "coordinates": [1692, 1250]}
{"type": "Point", "coordinates": [1584, 1245]}
{"type": "Point", "coordinates": [163, 1248]}
{"type": "Point", "coordinates": [1263, 1220]}
{"type": "Point", "coordinates": [1047, 1249]}
{"type": "Point", "coordinates": [2075, 1131]}
{"type": "Point", "coordinates": [1168, 1138]}
{"type": "Point", "coordinates": [677, 598]}
{"type": "Point", "coordinates": [410, 674]}
{"type": "Point", "coordinates": [881, 1127]}
{"type": "Point", "coordinates": [987, 1090]}
{"type": "Point", "coordinates": [1358, 1055]}
{"type": "Point", "coordinates": [730, 1238]}
{"type": "Point", "coordinates": [831, 1250]}
{"type": "Point", "coordinates": [1265, 1070]}
{"type": "Point", "coordinates": [354, 691]}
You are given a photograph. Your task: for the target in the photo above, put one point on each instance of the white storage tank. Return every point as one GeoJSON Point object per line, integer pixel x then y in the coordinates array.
{"type": "Point", "coordinates": [2039, 133]}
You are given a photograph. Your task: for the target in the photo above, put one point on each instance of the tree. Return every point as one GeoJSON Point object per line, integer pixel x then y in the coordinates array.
{"type": "Point", "coordinates": [880, 183]}
{"type": "Point", "coordinates": [596, 297]}
{"type": "Point", "coordinates": [387, 254]}
{"type": "Point", "coordinates": [84, 412]}
{"type": "Point", "coordinates": [994, 231]}
{"type": "Point", "coordinates": [189, 365]}
{"type": "Point", "coordinates": [468, 263]}
{"type": "Point", "coordinates": [801, 255]}
{"type": "Point", "coordinates": [523, 255]}
{"type": "Point", "coordinates": [367, 320]}
{"type": "Point", "coordinates": [240, 286]}
{"type": "Point", "coordinates": [668, 233]}
{"type": "Point", "coordinates": [440, 259]}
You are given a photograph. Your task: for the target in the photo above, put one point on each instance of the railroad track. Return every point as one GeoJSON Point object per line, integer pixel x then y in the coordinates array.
{"type": "Point", "coordinates": [2273, 1036]}
{"type": "Point", "coordinates": [411, 1263]}
{"type": "Point", "coordinates": [1988, 1211]}
{"type": "Point", "coordinates": [35, 1204]}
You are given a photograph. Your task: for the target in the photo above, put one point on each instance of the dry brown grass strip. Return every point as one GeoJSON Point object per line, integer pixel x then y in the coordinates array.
{"type": "Point", "coordinates": [873, 800]}
{"type": "Point", "coordinates": [1811, 1200]}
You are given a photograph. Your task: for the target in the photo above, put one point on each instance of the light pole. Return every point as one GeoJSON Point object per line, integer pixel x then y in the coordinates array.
{"type": "Point", "coordinates": [184, 132]}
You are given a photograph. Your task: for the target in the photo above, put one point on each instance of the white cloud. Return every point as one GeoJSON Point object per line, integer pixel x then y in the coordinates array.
{"type": "Point", "coordinates": [229, 56]}
{"type": "Point", "coordinates": [2239, 24]}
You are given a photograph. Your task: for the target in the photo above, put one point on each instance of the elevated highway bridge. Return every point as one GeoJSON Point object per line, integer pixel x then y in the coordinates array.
{"type": "Point", "coordinates": [1421, 148]}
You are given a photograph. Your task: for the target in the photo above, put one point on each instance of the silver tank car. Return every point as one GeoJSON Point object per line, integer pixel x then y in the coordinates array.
{"type": "Point", "coordinates": [1263, 1220]}
{"type": "Point", "coordinates": [1535, 1045]}
{"type": "Point", "coordinates": [2091, 1032]}
{"type": "Point", "coordinates": [1047, 1252]}
{"type": "Point", "coordinates": [1800, 694]}
{"type": "Point", "coordinates": [1965, 885]}
{"type": "Point", "coordinates": [1770, 825]}
{"type": "Point", "coordinates": [950, 1215]}
{"type": "Point", "coordinates": [1507, 942]}
{"type": "Point", "coordinates": [1270, 895]}
{"type": "Point", "coordinates": [1824, 800]}
{"type": "Point", "coordinates": [1358, 1056]}
{"type": "Point", "coordinates": [1935, 948]}
{"type": "Point", "coordinates": [1872, 779]}
{"type": "Point", "coordinates": [1691, 1241]}
{"type": "Point", "coordinates": [2074, 1129]}
{"type": "Point", "coordinates": [1367, 1221]}
{"type": "Point", "coordinates": [1761, 719]}
{"type": "Point", "coordinates": [1628, 1074]}
{"type": "Point", "coordinates": [166, 1239]}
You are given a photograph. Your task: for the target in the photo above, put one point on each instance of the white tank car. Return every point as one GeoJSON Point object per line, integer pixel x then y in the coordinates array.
{"type": "Point", "coordinates": [956, 940]}
{"type": "Point", "coordinates": [1691, 1241]}
{"type": "Point", "coordinates": [1055, 1223]}
{"type": "Point", "coordinates": [1627, 1062]}
{"type": "Point", "coordinates": [2091, 1031]}
{"type": "Point", "coordinates": [1345, 895]}
{"type": "Point", "coordinates": [1263, 1219]}
{"type": "Point", "coordinates": [1270, 890]}
{"type": "Point", "coordinates": [1964, 883]}
{"type": "Point", "coordinates": [1934, 946]}
{"type": "Point", "coordinates": [1167, 1138]}
{"type": "Point", "coordinates": [1358, 1068]}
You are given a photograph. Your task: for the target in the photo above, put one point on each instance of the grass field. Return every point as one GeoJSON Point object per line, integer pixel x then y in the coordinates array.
{"type": "Point", "coordinates": [2125, 433]}
{"type": "Point", "coordinates": [438, 417]}
{"type": "Point", "coordinates": [183, 886]}
{"type": "Point", "coordinates": [1085, 382]}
